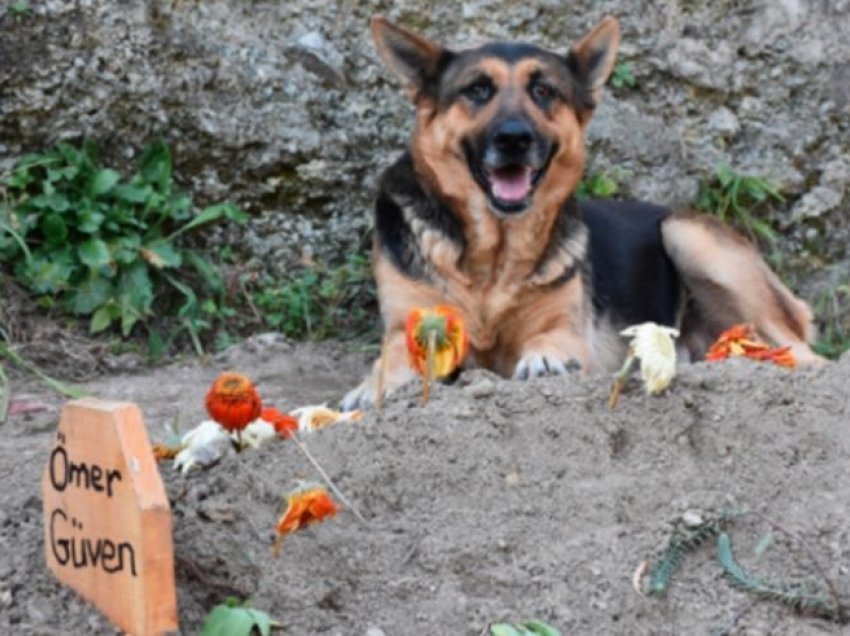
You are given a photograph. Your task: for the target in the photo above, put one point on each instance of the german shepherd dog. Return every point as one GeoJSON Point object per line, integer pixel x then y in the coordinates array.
{"type": "Point", "coordinates": [480, 213]}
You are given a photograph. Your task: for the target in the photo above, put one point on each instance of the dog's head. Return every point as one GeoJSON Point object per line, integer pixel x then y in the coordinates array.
{"type": "Point", "coordinates": [507, 118]}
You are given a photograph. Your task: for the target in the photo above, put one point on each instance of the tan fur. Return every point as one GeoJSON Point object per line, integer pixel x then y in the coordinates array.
{"type": "Point", "coordinates": [730, 283]}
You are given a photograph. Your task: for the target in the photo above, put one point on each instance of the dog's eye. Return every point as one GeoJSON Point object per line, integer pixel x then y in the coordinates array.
{"type": "Point", "coordinates": [479, 92]}
{"type": "Point", "coordinates": [542, 93]}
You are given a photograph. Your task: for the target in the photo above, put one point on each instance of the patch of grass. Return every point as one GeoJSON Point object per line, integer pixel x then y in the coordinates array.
{"type": "Point", "coordinates": [832, 307]}
{"type": "Point", "coordinates": [20, 8]}
{"type": "Point", "coordinates": [622, 76]}
{"type": "Point", "coordinates": [600, 185]}
{"type": "Point", "coordinates": [81, 238]}
{"type": "Point", "coordinates": [321, 301]}
{"type": "Point", "coordinates": [740, 199]}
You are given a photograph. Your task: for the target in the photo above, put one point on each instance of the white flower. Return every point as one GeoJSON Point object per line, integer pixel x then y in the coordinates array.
{"type": "Point", "coordinates": [257, 433]}
{"type": "Point", "coordinates": [653, 345]}
{"type": "Point", "coordinates": [203, 446]}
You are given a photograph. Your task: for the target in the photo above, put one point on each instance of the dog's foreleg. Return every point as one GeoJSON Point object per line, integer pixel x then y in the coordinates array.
{"type": "Point", "coordinates": [392, 370]}
{"type": "Point", "coordinates": [556, 352]}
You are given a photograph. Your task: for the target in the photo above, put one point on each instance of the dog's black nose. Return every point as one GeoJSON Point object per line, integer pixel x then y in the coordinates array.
{"type": "Point", "coordinates": [512, 135]}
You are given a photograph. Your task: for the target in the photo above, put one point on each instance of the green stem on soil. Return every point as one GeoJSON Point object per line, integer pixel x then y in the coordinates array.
{"type": "Point", "coordinates": [5, 395]}
{"type": "Point", "coordinates": [429, 366]}
{"type": "Point", "coordinates": [382, 374]}
{"type": "Point", "coordinates": [620, 380]}
{"type": "Point", "coordinates": [60, 387]}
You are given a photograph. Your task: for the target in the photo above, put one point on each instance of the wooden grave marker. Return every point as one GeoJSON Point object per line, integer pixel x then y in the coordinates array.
{"type": "Point", "coordinates": [107, 521]}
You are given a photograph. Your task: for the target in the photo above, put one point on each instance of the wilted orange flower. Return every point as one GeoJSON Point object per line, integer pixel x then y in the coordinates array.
{"type": "Point", "coordinates": [306, 505]}
{"type": "Point", "coordinates": [443, 326]}
{"type": "Point", "coordinates": [233, 402]}
{"type": "Point", "coordinates": [164, 451]}
{"type": "Point", "coordinates": [283, 423]}
{"type": "Point", "coordinates": [741, 340]}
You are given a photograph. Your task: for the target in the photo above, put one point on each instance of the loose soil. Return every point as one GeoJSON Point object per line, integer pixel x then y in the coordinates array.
{"type": "Point", "coordinates": [499, 500]}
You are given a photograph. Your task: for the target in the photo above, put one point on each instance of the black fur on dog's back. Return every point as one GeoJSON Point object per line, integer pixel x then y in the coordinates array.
{"type": "Point", "coordinates": [634, 280]}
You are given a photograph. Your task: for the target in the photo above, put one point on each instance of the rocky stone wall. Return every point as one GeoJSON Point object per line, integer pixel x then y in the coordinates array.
{"type": "Point", "coordinates": [283, 107]}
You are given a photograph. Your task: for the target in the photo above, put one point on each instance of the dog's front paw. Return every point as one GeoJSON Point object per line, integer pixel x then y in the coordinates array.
{"type": "Point", "coordinates": [534, 365]}
{"type": "Point", "coordinates": [360, 397]}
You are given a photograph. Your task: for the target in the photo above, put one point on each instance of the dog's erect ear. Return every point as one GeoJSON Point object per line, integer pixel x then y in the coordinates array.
{"type": "Point", "coordinates": [592, 58]}
{"type": "Point", "coordinates": [412, 58]}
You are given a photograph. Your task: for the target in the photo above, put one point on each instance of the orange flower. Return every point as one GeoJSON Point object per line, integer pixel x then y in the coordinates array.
{"type": "Point", "coordinates": [283, 423]}
{"type": "Point", "coordinates": [233, 402]}
{"type": "Point", "coordinates": [445, 328]}
{"type": "Point", "coordinates": [164, 451]}
{"type": "Point", "coordinates": [742, 341]}
{"type": "Point", "coordinates": [306, 505]}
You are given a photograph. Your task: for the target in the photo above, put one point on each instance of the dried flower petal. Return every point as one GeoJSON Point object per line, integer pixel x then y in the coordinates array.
{"type": "Point", "coordinates": [284, 423]}
{"type": "Point", "coordinates": [742, 341]}
{"type": "Point", "coordinates": [163, 451]}
{"type": "Point", "coordinates": [313, 418]}
{"type": "Point", "coordinates": [305, 506]}
{"type": "Point", "coordinates": [233, 402]}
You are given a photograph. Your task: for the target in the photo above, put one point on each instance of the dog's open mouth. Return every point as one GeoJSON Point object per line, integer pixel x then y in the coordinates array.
{"type": "Point", "coordinates": [510, 184]}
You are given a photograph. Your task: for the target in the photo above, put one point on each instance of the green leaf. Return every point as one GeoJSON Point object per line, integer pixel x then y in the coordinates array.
{"type": "Point", "coordinates": [48, 275]}
{"type": "Point", "coordinates": [162, 254]}
{"type": "Point", "coordinates": [539, 628]}
{"type": "Point", "coordinates": [725, 174]}
{"type": "Point", "coordinates": [129, 317]}
{"type": "Point", "coordinates": [125, 250]}
{"type": "Point", "coordinates": [208, 273]}
{"type": "Point", "coordinates": [763, 544]}
{"type": "Point", "coordinates": [89, 295]}
{"type": "Point", "coordinates": [156, 346]}
{"type": "Point", "coordinates": [503, 629]}
{"type": "Point", "coordinates": [132, 193]}
{"type": "Point", "coordinates": [103, 182]}
{"type": "Point", "coordinates": [135, 296]}
{"type": "Point", "coordinates": [56, 202]}
{"type": "Point", "coordinates": [89, 220]}
{"type": "Point", "coordinates": [54, 228]}
{"type": "Point", "coordinates": [94, 253]}
{"type": "Point", "coordinates": [227, 620]}
{"type": "Point", "coordinates": [103, 317]}
{"type": "Point", "coordinates": [191, 305]}
{"type": "Point", "coordinates": [155, 166]}
{"type": "Point", "coordinates": [213, 213]}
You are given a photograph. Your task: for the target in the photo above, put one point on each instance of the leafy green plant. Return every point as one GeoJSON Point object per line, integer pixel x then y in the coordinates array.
{"type": "Point", "coordinates": [807, 597]}
{"type": "Point", "coordinates": [598, 186]}
{"type": "Point", "coordinates": [233, 618]}
{"type": "Point", "coordinates": [622, 76]}
{"type": "Point", "coordinates": [76, 234]}
{"type": "Point", "coordinates": [20, 8]}
{"type": "Point", "coordinates": [833, 310]}
{"type": "Point", "coordinates": [732, 196]}
{"type": "Point", "coordinates": [684, 540]}
{"type": "Point", "coordinates": [321, 301]}
{"type": "Point", "coordinates": [527, 628]}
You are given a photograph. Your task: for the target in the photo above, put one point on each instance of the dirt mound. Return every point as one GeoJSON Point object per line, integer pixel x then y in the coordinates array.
{"type": "Point", "coordinates": [498, 500]}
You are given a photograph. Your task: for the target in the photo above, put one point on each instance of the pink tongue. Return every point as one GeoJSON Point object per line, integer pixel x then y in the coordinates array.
{"type": "Point", "coordinates": [511, 184]}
